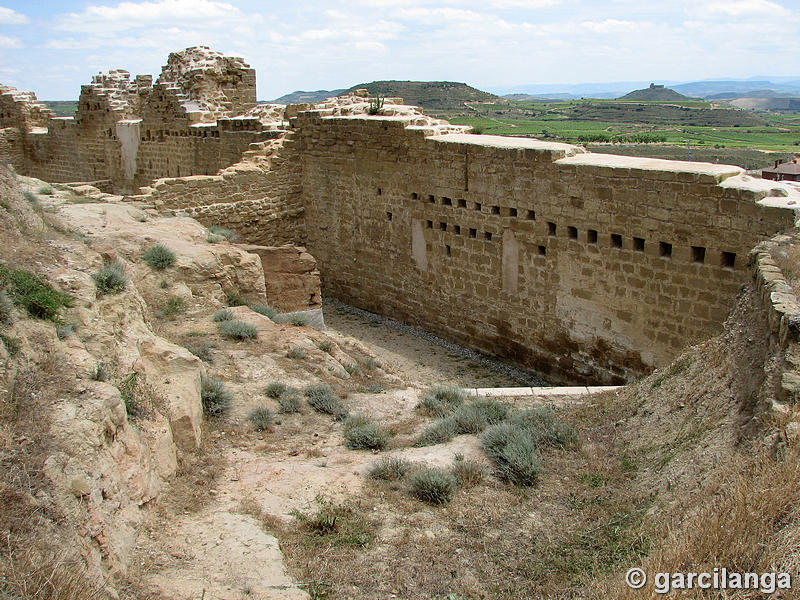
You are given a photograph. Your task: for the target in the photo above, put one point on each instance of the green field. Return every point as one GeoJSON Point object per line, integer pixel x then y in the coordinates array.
{"type": "Point", "coordinates": [62, 108]}
{"type": "Point", "coordinates": [612, 126]}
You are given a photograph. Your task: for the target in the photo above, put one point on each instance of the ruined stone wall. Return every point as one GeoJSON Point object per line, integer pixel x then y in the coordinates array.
{"type": "Point", "coordinates": [258, 198]}
{"type": "Point", "coordinates": [193, 121]}
{"type": "Point", "coordinates": [588, 268]}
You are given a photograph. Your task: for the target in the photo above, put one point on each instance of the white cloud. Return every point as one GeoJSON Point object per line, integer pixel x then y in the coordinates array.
{"type": "Point", "coordinates": [612, 26]}
{"type": "Point", "coordinates": [9, 42]}
{"type": "Point", "coordinates": [133, 15]}
{"type": "Point", "coordinates": [743, 8]}
{"type": "Point", "coordinates": [11, 17]}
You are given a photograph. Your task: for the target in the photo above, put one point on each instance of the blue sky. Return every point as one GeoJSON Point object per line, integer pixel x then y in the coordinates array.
{"type": "Point", "coordinates": [54, 47]}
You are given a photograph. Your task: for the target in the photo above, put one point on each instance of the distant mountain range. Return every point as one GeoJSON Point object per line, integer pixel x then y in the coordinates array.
{"type": "Point", "coordinates": [449, 95]}
{"type": "Point", "coordinates": [784, 86]}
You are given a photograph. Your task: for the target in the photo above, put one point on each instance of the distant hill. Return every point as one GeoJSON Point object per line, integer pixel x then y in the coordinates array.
{"type": "Point", "coordinates": [300, 97]}
{"type": "Point", "coordinates": [655, 92]}
{"type": "Point", "coordinates": [431, 95]}
{"type": "Point", "coordinates": [62, 108]}
{"type": "Point", "coordinates": [527, 98]}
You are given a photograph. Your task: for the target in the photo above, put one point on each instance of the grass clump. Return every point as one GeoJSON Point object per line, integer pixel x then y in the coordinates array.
{"type": "Point", "coordinates": [389, 468]}
{"type": "Point", "coordinates": [435, 486]}
{"type": "Point", "coordinates": [132, 397]}
{"type": "Point", "coordinates": [274, 389]}
{"type": "Point", "coordinates": [215, 396]}
{"type": "Point", "coordinates": [159, 257]}
{"type": "Point", "coordinates": [265, 310]}
{"type": "Point", "coordinates": [100, 373]}
{"type": "Point", "coordinates": [441, 400]}
{"type": "Point", "coordinates": [323, 399]}
{"type": "Point", "coordinates": [220, 233]}
{"type": "Point", "coordinates": [325, 346]}
{"type": "Point", "coordinates": [201, 350]}
{"type": "Point", "coordinates": [438, 432]}
{"type": "Point", "coordinates": [223, 315]}
{"type": "Point", "coordinates": [11, 344]}
{"type": "Point", "coordinates": [466, 472]}
{"type": "Point", "coordinates": [298, 321]}
{"type": "Point", "coordinates": [546, 430]}
{"type": "Point", "coordinates": [261, 418]}
{"type": "Point", "coordinates": [514, 452]}
{"type": "Point", "coordinates": [235, 298]}
{"type": "Point", "coordinates": [290, 401]}
{"type": "Point", "coordinates": [352, 369]}
{"type": "Point", "coordinates": [173, 307]}
{"type": "Point", "coordinates": [36, 296]}
{"type": "Point", "coordinates": [45, 190]}
{"type": "Point", "coordinates": [6, 308]}
{"type": "Point", "coordinates": [336, 525]}
{"type": "Point", "coordinates": [296, 352]}
{"type": "Point", "coordinates": [362, 434]}
{"type": "Point", "coordinates": [34, 201]}
{"type": "Point", "coordinates": [237, 330]}
{"type": "Point", "coordinates": [469, 418]}
{"type": "Point", "coordinates": [110, 279]}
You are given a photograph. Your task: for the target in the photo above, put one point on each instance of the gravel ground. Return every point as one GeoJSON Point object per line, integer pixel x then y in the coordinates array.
{"type": "Point", "coordinates": [422, 356]}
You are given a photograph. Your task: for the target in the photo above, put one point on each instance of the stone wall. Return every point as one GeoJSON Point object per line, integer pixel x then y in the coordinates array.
{"type": "Point", "coordinates": [258, 198]}
{"type": "Point", "coordinates": [587, 268]}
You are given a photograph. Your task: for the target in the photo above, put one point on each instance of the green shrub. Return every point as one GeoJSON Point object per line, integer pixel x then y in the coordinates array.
{"type": "Point", "coordinates": [274, 389]}
{"type": "Point", "coordinates": [265, 310]}
{"type": "Point", "coordinates": [373, 388]}
{"type": "Point", "coordinates": [173, 306]}
{"type": "Point", "coordinates": [6, 308]}
{"type": "Point", "coordinates": [296, 352]}
{"type": "Point", "coordinates": [466, 472]}
{"type": "Point", "coordinates": [164, 285]}
{"type": "Point", "coordinates": [45, 190]}
{"type": "Point", "coordinates": [323, 399]}
{"type": "Point", "coordinates": [494, 411]}
{"type": "Point", "coordinates": [438, 432]}
{"type": "Point", "coordinates": [545, 428]}
{"type": "Point", "coordinates": [65, 330]}
{"type": "Point", "coordinates": [223, 315]}
{"type": "Point", "coordinates": [213, 238]}
{"type": "Point", "coordinates": [325, 346]}
{"type": "Point", "coordinates": [370, 364]}
{"type": "Point", "coordinates": [361, 434]}
{"type": "Point", "coordinates": [32, 293]}
{"type": "Point", "coordinates": [441, 400]}
{"type": "Point", "coordinates": [469, 419]}
{"type": "Point", "coordinates": [389, 468]}
{"type": "Point", "coordinates": [375, 105]}
{"type": "Point", "coordinates": [513, 449]}
{"type": "Point", "coordinates": [217, 230]}
{"type": "Point", "coordinates": [289, 401]}
{"type": "Point", "coordinates": [261, 418]}
{"type": "Point", "coordinates": [215, 396]}
{"type": "Point", "coordinates": [298, 321]}
{"type": "Point", "coordinates": [237, 330]}
{"type": "Point", "coordinates": [110, 279]}
{"type": "Point", "coordinates": [159, 257]}
{"type": "Point", "coordinates": [435, 486]}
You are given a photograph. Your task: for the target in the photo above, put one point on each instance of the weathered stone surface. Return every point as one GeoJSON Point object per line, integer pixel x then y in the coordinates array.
{"type": "Point", "coordinates": [291, 277]}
